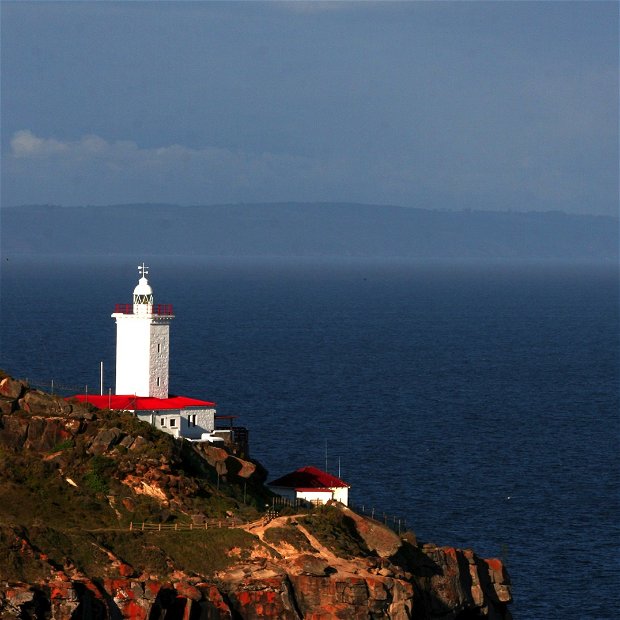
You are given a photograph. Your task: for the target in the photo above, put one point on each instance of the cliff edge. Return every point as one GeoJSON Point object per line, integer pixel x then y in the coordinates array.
{"type": "Point", "coordinates": [104, 517]}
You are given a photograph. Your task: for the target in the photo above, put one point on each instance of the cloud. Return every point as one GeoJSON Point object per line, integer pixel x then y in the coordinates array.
{"type": "Point", "coordinates": [121, 154]}
{"type": "Point", "coordinates": [93, 170]}
{"type": "Point", "coordinates": [25, 144]}
{"type": "Point", "coordinates": [78, 172]}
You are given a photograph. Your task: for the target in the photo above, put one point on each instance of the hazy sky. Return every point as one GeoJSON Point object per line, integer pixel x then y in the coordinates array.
{"type": "Point", "coordinates": [482, 105]}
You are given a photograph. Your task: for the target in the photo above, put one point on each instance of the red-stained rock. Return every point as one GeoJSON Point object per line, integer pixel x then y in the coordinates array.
{"type": "Point", "coordinates": [12, 388]}
{"type": "Point", "coordinates": [119, 589]}
{"type": "Point", "coordinates": [265, 598]}
{"type": "Point", "coordinates": [476, 589]}
{"type": "Point", "coordinates": [44, 434]}
{"type": "Point", "coordinates": [316, 594]}
{"type": "Point", "coordinates": [125, 570]}
{"type": "Point", "coordinates": [132, 610]}
{"type": "Point", "coordinates": [452, 586]}
{"type": "Point", "coordinates": [214, 604]}
{"type": "Point", "coordinates": [19, 595]}
{"type": "Point", "coordinates": [400, 581]}
{"type": "Point", "coordinates": [188, 591]}
{"type": "Point", "coordinates": [378, 588]}
{"type": "Point", "coordinates": [496, 570]}
{"type": "Point", "coordinates": [151, 590]}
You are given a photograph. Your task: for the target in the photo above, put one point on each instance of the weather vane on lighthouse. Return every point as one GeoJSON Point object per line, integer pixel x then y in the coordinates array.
{"type": "Point", "coordinates": [143, 269]}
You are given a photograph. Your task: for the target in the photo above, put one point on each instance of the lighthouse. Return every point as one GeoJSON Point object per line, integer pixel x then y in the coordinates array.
{"type": "Point", "coordinates": [143, 343]}
{"type": "Point", "coordinates": [142, 362]}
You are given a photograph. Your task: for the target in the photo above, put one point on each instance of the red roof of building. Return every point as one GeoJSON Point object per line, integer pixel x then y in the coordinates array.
{"type": "Point", "coordinates": [308, 479]}
{"type": "Point", "coordinates": [141, 403]}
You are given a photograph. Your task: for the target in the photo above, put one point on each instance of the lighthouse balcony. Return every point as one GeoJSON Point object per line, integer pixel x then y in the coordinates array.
{"type": "Point", "coordinates": [158, 309]}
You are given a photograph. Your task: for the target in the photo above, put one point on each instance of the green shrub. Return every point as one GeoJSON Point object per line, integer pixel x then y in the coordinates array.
{"type": "Point", "coordinates": [67, 444]}
{"type": "Point", "coordinates": [97, 477]}
{"type": "Point", "coordinates": [335, 531]}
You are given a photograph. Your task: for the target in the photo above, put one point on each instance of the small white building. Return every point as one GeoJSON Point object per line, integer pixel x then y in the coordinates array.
{"type": "Point", "coordinates": [142, 371]}
{"type": "Point", "coordinates": [312, 485]}
{"type": "Point", "coordinates": [176, 415]}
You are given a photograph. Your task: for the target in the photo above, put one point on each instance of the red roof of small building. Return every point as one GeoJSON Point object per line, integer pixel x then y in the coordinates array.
{"type": "Point", "coordinates": [141, 403]}
{"type": "Point", "coordinates": [308, 479]}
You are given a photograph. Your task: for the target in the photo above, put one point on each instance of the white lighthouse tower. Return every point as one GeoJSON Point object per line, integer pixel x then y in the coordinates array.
{"type": "Point", "coordinates": [142, 343]}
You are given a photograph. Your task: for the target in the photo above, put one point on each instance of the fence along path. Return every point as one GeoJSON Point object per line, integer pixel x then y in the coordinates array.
{"type": "Point", "coordinates": [396, 523]}
{"type": "Point", "coordinates": [185, 527]}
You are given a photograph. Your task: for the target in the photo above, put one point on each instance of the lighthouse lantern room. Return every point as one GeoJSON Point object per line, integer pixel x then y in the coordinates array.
{"type": "Point", "coordinates": [142, 343]}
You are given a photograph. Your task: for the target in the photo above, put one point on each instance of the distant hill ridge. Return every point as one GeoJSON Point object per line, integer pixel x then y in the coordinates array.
{"type": "Point", "coordinates": [305, 230]}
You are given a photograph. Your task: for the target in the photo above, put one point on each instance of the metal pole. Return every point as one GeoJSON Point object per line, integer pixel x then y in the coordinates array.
{"type": "Point", "coordinates": [326, 455]}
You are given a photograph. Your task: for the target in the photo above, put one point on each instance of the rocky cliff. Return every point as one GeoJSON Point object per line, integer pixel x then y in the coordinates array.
{"type": "Point", "coordinates": [77, 484]}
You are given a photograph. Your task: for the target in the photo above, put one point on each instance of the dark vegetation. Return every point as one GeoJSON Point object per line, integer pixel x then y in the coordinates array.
{"type": "Point", "coordinates": [336, 531]}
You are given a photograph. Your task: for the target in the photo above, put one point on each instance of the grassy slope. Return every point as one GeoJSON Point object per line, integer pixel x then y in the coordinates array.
{"type": "Point", "coordinates": [78, 526]}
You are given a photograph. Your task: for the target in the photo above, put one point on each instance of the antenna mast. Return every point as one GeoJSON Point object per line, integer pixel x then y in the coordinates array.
{"type": "Point", "coordinates": [326, 455]}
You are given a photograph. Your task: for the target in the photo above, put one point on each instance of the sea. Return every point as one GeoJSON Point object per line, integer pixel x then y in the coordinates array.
{"type": "Point", "coordinates": [474, 403]}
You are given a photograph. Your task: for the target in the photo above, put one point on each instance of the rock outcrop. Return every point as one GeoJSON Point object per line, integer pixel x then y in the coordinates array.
{"type": "Point", "coordinates": [461, 585]}
{"type": "Point", "coordinates": [75, 480]}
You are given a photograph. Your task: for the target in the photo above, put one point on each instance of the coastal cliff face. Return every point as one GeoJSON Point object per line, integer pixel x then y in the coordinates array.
{"type": "Point", "coordinates": [74, 479]}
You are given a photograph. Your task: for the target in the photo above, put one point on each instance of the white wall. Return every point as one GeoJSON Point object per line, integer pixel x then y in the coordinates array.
{"type": "Point", "coordinates": [341, 494]}
{"type": "Point", "coordinates": [177, 421]}
{"type": "Point", "coordinates": [142, 355]}
{"type": "Point", "coordinates": [132, 355]}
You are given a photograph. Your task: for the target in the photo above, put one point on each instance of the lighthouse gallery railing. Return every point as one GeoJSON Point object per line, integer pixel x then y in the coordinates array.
{"type": "Point", "coordinates": [159, 309]}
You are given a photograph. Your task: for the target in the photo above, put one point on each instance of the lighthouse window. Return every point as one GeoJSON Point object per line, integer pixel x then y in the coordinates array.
{"type": "Point", "coordinates": [158, 347]}
{"type": "Point", "coordinates": [158, 382]}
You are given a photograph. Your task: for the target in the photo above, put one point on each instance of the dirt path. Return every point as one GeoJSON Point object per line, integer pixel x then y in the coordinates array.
{"type": "Point", "coordinates": [341, 565]}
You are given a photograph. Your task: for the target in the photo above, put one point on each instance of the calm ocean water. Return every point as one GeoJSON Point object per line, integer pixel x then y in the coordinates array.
{"type": "Point", "coordinates": [479, 403]}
